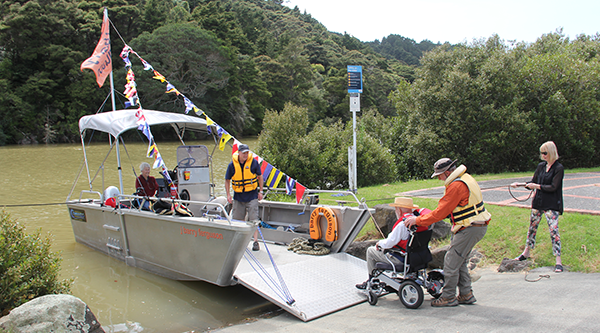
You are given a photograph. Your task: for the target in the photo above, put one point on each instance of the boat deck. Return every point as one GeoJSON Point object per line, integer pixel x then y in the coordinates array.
{"type": "Point", "coordinates": [319, 284]}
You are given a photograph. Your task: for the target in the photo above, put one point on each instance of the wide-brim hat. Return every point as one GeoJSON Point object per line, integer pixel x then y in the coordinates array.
{"type": "Point", "coordinates": [404, 202]}
{"type": "Point", "coordinates": [442, 165]}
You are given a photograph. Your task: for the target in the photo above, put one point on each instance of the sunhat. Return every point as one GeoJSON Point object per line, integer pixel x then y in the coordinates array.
{"type": "Point", "coordinates": [404, 203]}
{"type": "Point", "coordinates": [442, 165]}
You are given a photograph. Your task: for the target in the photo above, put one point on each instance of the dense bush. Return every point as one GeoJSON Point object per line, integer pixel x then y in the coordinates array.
{"type": "Point", "coordinates": [319, 158]}
{"type": "Point", "coordinates": [28, 268]}
{"type": "Point", "coordinates": [491, 105]}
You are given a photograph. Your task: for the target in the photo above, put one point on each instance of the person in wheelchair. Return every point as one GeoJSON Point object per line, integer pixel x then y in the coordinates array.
{"type": "Point", "coordinates": [397, 239]}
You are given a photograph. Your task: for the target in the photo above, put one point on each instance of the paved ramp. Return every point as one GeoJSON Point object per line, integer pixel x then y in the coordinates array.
{"type": "Point", "coordinates": [319, 285]}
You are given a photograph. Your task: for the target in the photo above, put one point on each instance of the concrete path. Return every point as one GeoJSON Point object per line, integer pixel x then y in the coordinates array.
{"type": "Point", "coordinates": [506, 302]}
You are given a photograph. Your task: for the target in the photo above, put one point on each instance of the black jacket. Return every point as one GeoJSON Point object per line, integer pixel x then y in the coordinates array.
{"type": "Point", "coordinates": [550, 196]}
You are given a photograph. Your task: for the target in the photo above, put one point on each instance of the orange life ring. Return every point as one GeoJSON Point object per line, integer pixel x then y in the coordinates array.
{"type": "Point", "coordinates": [315, 224]}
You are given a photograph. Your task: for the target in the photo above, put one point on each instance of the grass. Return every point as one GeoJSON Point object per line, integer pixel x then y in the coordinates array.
{"type": "Point", "coordinates": [505, 238]}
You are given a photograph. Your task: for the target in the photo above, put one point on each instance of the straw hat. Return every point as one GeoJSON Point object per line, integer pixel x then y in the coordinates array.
{"type": "Point", "coordinates": [404, 203]}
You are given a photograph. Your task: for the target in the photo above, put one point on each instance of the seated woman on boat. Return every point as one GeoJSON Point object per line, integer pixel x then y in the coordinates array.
{"type": "Point", "coordinates": [145, 184]}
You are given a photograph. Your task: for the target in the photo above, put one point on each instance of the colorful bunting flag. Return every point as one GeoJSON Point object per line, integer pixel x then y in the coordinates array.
{"type": "Point", "coordinates": [159, 76]}
{"type": "Point", "coordinates": [274, 178]}
{"type": "Point", "coordinates": [289, 185]}
{"type": "Point", "coordinates": [225, 137]}
{"type": "Point", "coordinates": [299, 192]}
{"type": "Point", "coordinates": [100, 62]}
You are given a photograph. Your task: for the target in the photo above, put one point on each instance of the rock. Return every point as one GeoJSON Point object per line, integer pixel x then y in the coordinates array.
{"type": "Point", "coordinates": [512, 265]}
{"type": "Point", "coordinates": [52, 313]}
{"type": "Point", "coordinates": [385, 217]}
{"type": "Point", "coordinates": [438, 260]}
{"type": "Point", "coordinates": [438, 257]}
{"type": "Point", "coordinates": [441, 230]}
{"type": "Point", "coordinates": [359, 249]}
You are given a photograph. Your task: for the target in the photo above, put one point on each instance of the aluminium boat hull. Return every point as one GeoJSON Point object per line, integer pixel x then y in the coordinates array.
{"type": "Point", "coordinates": [176, 247]}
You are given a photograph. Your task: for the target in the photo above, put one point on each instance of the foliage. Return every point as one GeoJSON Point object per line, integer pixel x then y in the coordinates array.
{"type": "Point", "coordinates": [492, 105]}
{"type": "Point", "coordinates": [28, 268]}
{"type": "Point", "coordinates": [318, 158]}
{"type": "Point", "coordinates": [241, 58]}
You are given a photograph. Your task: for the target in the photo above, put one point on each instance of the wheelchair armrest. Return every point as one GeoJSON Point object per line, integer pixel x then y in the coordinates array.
{"type": "Point", "coordinates": [395, 251]}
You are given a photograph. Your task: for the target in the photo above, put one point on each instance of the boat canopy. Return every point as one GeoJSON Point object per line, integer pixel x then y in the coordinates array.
{"type": "Point", "coordinates": [117, 122]}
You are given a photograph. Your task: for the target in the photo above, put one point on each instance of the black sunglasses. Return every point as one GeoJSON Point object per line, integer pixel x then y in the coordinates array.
{"type": "Point", "coordinates": [544, 152]}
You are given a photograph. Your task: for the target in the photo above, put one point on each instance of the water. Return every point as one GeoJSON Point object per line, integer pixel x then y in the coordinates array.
{"type": "Point", "coordinates": [124, 299]}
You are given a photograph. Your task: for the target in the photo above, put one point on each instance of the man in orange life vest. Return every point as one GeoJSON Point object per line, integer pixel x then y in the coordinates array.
{"type": "Point", "coordinates": [398, 238]}
{"type": "Point", "coordinates": [244, 174]}
{"type": "Point", "coordinates": [463, 204]}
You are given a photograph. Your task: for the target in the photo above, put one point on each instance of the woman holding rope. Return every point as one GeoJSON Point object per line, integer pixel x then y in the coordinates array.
{"type": "Point", "coordinates": [548, 200]}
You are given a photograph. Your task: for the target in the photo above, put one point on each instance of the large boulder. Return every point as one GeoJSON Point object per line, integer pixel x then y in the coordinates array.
{"type": "Point", "coordinates": [52, 313]}
{"type": "Point", "coordinates": [359, 249]}
{"type": "Point", "coordinates": [512, 265]}
{"type": "Point", "coordinates": [385, 217]}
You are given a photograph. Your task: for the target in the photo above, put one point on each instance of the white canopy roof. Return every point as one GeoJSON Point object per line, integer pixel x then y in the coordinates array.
{"type": "Point", "coordinates": [117, 122]}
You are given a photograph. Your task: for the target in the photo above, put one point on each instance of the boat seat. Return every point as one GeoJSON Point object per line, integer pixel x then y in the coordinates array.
{"type": "Point", "coordinates": [163, 191]}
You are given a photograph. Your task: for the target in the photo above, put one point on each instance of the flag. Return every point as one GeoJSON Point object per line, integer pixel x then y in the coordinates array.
{"type": "Point", "coordinates": [189, 105]}
{"type": "Point", "coordinates": [299, 192]}
{"type": "Point", "coordinates": [100, 61]}
{"type": "Point", "coordinates": [152, 149]}
{"type": "Point", "coordinates": [159, 76]}
{"type": "Point", "coordinates": [225, 137]}
{"type": "Point", "coordinates": [289, 185]}
{"type": "Point", "coordinates": [274, 178]}
{"type": "Point", "coordinates": [266, 169]}
{"type": "Point", "coordinates": [147, 66]}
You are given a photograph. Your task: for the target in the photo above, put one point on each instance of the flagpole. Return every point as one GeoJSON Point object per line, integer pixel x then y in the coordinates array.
{"type": "Point", "coordinates": [114, 108]}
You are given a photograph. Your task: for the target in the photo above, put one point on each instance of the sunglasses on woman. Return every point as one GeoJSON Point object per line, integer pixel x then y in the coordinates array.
{"type": "Point", "coordinates": [544, 152]}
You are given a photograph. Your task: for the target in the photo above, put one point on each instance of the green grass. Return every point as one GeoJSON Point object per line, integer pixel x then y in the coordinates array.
{"type": "Point", "coordinates": [580, 233]}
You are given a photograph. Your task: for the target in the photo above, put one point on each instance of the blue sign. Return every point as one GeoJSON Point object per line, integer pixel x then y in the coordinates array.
{"type": "Point", "coordinates": [355, 84]}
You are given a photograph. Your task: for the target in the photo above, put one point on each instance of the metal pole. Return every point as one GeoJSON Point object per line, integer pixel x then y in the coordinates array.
{"type": "Point", "coordinates": [354, 107]}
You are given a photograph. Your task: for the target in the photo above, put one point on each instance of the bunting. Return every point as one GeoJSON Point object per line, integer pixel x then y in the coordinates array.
{"type": "Point", "coordinates": [100, 62]}
{"type": "Point", "coordinates": [274, 178]}
{"type": "Point", "coordinates": [289, 185]}
{"type": "Point", "coordinates": [299, 192]}
{"type": "Point", "coordinates": [271, 175]}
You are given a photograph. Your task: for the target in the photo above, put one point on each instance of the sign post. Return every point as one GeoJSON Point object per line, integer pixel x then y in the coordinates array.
{"type": "Point", "coordinates": [355, 88]}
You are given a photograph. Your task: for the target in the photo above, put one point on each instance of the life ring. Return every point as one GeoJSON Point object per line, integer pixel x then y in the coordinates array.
{"type": "Point", "coordinates": [315, 226]}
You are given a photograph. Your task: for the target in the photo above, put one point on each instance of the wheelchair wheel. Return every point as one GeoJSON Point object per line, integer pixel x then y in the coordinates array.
{"type": "Point", "coordinates": [372, 297]}
{"type": "Point", "coordinates": [411, 294]}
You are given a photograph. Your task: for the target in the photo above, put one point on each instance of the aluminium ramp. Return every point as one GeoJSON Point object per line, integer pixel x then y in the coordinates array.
{"type": "Point", "coordinates": [319, 284]}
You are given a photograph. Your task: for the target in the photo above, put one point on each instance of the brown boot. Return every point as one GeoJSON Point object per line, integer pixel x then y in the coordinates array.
{"type": "Point", "coordinates": [444, 302]}
{"type": "Point", "coordinates": [466, 299]}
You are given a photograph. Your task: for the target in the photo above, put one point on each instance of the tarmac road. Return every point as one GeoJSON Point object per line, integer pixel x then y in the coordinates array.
{"type": "Point", "coordinates": [506, 302]}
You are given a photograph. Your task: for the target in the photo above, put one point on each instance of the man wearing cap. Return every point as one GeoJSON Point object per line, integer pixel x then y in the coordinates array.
{"type": "Point", "coordinates": [244, 175]}
{"type": "Point", "coordinates": [463, 204]}
{"type": "Point", "coordinates": [398, 238]}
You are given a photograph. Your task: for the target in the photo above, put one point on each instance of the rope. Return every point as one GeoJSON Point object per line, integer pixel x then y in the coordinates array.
{"type": "Point", "coordinates": [304, 246]}
{"type": "Point", "coordinates": [541, 276]}
{"type": "Point", "coordinates": [281, 290]}
{"type": "Point", "coordinates": [529, 196]}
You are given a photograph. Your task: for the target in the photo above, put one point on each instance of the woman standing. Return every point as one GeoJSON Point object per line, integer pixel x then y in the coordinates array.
{"type": "Point", "coordinates": [548, 200]}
